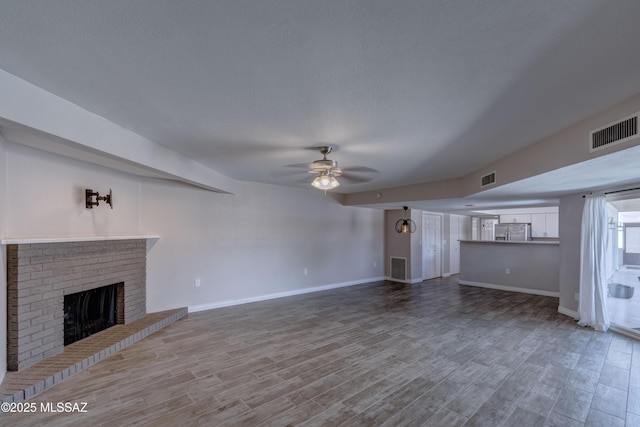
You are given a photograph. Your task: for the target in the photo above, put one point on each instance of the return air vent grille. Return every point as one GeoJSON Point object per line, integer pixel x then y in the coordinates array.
{"type": "Point", "coordinates": [488, 179]}
{"type": "Point", "coordinates": [398, 268]}
{"type": "Point", "coordinates": [614, 133]}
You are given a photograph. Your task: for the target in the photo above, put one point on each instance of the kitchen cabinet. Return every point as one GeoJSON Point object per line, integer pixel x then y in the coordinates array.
{"type": "Point", "coordinates": [544, 225]}
{"type": "Point", "coordinates": [523, 218]}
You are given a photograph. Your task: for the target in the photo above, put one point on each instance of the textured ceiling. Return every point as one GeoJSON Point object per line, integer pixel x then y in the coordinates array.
{"type": "Point", "coordinates": [409, 91]}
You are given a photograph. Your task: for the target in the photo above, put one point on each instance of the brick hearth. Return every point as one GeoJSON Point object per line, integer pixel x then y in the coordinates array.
{"type": "Point", "coordinates": [23, 385]}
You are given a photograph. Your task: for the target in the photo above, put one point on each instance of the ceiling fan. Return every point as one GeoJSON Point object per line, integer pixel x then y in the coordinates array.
{"type": "Point", "coordinates": [326, 170]}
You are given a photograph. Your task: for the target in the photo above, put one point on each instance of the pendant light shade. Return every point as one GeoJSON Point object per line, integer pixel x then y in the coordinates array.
{"type": "Point", "coordinates": [325, 181]}
{"type": "Point", "coordinates": [405, 225]}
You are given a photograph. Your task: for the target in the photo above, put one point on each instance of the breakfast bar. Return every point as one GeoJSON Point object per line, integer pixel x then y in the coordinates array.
{"type": "Point", "coordinates": [529, 266]}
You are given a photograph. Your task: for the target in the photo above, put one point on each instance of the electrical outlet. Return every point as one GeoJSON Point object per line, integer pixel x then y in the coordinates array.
{"type": "Point", "coordinates": [375, 264]}
{"type": "Point", "coordinates": [306, 271]}
{"type": "Point", "coordinates": [197, 283]}
{"type": "Point", "coordinates": [507, 271]}
{"type": "Point", "coordinates": [576, 296]}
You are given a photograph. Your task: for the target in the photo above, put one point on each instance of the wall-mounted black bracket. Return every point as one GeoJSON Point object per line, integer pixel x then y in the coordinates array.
{"type": "Point", "coordinates": [90, 194]}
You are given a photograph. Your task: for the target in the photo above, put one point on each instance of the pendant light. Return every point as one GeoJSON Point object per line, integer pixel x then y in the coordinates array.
{"type": "Point", "coordinates": [325, 181]}
{"type": "Point", "coordinates": [405, 225]}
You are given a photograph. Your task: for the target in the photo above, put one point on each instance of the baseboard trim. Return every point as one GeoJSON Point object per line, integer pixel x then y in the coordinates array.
{"type": "Point", "coordinates": [510, 288]}
{"type": "Point", "coordinates": [631, 333]}
{"type": "Point", "coordinates": [409, 282]}
{"type": "Point", "coordinates": [229, 303]}
{"type": "Point", "coordinates": [567, 312]}
{"type": "Point", "coordinates": [390, 279]}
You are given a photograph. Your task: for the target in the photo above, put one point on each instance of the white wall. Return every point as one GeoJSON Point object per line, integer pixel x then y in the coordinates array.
{"type": "Point", "coordinates": [3, 261]}
{"type": "Point", "coordinates": [446, 245]}
{"type": "Point", "coordinates": [570, 219]}
{"type": "Point", "coordinates": [396, 244]}
{"type": "Point", "coordinates": [254, 243]}
{"type": "Point", "coordinates": [245, 246]}
{"type": "Point", "coordinates": [415, 259]}
{"type": "Point", "coordinates": [407, 246]}
{"type": "Point", "coordinates": [46, 197]}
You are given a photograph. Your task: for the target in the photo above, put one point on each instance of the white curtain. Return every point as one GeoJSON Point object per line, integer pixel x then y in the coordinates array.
{"type": "Point", "coordinates": [592, 309]}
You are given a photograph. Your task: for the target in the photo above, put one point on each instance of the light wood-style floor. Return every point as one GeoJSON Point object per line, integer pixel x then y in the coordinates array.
{"type": "Point", "coordinates": [434, 354]}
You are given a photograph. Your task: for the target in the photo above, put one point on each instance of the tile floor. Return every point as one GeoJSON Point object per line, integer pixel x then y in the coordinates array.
{"type": "Point", "coordinates": [432, 354]}
{"type": "Point", "coordinates": [24, 384]}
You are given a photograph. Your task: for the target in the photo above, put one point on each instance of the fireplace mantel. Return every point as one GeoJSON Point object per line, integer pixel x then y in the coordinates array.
{"type": "Point", "coordinates": [33, 240]}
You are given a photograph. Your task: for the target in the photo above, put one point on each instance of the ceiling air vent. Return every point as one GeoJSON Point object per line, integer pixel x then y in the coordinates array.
{"type": "Point", "coordinates": [615, 133]}
{"type": "Point", "coordinates": [488, 179]}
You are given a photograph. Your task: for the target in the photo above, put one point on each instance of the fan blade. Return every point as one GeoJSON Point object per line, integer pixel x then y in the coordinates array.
{"type": "Point", "coordinates": [355, 179]}
{"type": "Point", "coordinates": [362, 169]}
{"type": "Point", "coordinates": [305, 180]}
{"type": "Point", "coordinates": [294, 169]}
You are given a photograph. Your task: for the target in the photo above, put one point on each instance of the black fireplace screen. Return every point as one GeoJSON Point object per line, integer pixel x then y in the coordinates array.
{"type": "Point", "coordinates": [88, 312]}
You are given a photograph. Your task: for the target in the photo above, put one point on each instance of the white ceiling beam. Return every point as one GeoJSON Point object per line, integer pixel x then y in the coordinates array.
{"type": "Point", "coordinates": [26, 106]}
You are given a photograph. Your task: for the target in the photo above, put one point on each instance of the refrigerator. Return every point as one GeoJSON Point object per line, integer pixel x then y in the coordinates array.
{"type": "Point", "coordinates": [516, 232]}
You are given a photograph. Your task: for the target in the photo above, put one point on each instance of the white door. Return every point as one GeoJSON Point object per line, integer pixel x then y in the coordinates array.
{"type": "Point", "coordinates": [431, 246]}
{"type": "Point", "coordinates": [475, 229]}
{"type": "Point", "coordinates": [487, 225]}
{"type": "Point", "coordinates": [454, 245]}
{"type": "Point", "coordinates": [460, 229]}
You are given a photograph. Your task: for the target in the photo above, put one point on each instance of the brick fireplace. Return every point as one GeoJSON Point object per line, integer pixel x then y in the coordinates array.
{"type": "Point", "coordinates": [39, 275]}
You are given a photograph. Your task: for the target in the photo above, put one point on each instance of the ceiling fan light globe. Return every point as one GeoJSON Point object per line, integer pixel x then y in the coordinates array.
{"type": "Point", "coordinates": [325, 182]}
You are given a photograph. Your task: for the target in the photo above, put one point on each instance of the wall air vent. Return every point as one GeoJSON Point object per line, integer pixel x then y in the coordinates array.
{"type": "Point", "coordinates": [488, 179]}
{"type": "Point", "coordinates": [398, 268]}
{"type": "Point", "coordinates": [614, 133]}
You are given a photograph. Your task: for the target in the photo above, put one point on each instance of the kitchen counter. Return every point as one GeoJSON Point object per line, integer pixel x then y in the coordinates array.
{"type": "Point", "coordinates": [510, 242]}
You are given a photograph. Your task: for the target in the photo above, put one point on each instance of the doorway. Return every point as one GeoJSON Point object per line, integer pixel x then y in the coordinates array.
{"type": "Point", "coordinates": [431, 246]}
{"type": "Point", "coordinates": [622, 261]}
{"type": "Point", "coordinates": [487, 227]}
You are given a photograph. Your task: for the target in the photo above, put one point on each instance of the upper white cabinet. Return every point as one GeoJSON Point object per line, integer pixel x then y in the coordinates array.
{"type": "Point", "coordinates": [544, 225]}
{"type": "Point", "coordinates": [543, 220]}
{"type": "Point", "coordinates": [523, 218]}
{"type": "Point", "coordinates": [552, 225]}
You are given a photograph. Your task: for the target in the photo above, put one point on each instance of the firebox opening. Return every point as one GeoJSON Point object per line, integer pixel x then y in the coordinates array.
{"type": "Point", "coordinates": [92, 311]}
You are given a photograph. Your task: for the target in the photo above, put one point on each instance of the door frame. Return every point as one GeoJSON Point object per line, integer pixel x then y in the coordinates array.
{"type": "Point", "coordinates": [438, 245]}
{"type": "Point", "coordinates": [629, 258]}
